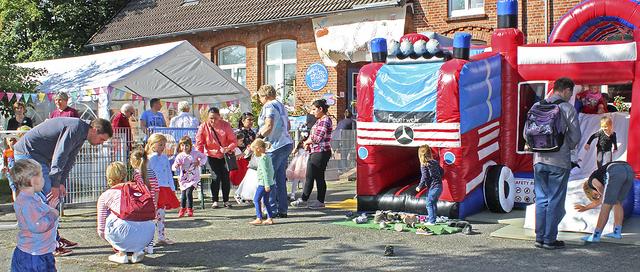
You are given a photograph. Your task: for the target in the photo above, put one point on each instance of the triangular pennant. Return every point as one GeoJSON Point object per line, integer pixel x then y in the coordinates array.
{"type": "Point", "coordinates": [41, 96]}
{"type": "Point", "coordinates": [2, 94]}
{"type": "Point", "coordinates": [18, 96]}
{"type": "Point", "coordinates": [10, 96]}
{"type": "Point", "coordinates": [88, 92]}
{"type": "Point", "coordinates": [96, 91]}
{"type": "Point", "coordinates": [26, 98]}
{"type": "Point", "coordinates": [50, 97]}
{"type": "Point", "coordinates": [34, 98]}
{"type": "Point", "coordinates": [109, 89]}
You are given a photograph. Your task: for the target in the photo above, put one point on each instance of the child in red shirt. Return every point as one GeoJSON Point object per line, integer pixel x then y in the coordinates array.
{"type": "Point", "coordinates": [592, 100]}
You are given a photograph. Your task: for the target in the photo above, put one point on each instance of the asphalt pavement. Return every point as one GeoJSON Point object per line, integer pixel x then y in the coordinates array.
{"type": "Point", "coordinates": [221, 239]}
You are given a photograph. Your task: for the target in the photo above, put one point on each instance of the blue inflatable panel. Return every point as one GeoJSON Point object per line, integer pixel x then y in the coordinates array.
{"type": "Point", "coordinates": [595, 21]}
{"type": "Point", "coordinates": [472, 204]}
{"type": "Point", "coordinates": [406, 93]}
{"type": "Point", "coordinates": [636, 197]}
{"type": "Point", "coordinates": [480, 92]}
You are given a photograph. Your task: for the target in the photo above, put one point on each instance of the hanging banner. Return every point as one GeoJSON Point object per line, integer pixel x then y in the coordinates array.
{"type": "Point", "coordinates": [41, 96]}
{"type": "Point", "coordinates": [26, 97]}
{"type": "Point", "coordinates": [10, 96]}
{"type": "Point", "coordinates": [50, 97]}
{"type": "Point", "coordinates": [34, 98]}
{"type": "Point", "coordinates": [18, 97]}
{"type": "Point", "coordinates": [2, 94]}
{"type": "Point", "coordinates": [346, 36]}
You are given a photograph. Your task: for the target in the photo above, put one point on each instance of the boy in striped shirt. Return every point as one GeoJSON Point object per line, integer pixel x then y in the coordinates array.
{"type": "Point", "coordinates": [37, 221]}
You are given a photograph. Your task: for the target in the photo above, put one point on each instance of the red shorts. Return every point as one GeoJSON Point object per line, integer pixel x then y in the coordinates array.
{"type": "Point", "coordinates": [167, 199]}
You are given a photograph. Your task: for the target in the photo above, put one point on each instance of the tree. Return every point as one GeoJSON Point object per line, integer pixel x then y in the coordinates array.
{"type": "Point", "coordinates": [33, 30]}
{"type": "Point", "coordinates": [16, 79]}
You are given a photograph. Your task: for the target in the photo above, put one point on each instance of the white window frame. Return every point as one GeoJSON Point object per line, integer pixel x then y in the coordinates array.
{"type": "Point", "coordinates": [279, 86]}
{"type": "Point", "coordinates": [546, 91]}
{"type": "Point", "coordinates": [466, 11]}
{"type": "Point", "coordinates": [234, 67]}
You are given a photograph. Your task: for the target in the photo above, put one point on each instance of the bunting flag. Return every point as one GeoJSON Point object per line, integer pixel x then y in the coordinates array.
{"type": "Point", "coordinates": [10, 96]}
{"type": "Point", "coordinates": [41, 96]}
{"type": "Point", "coordinates": [96, 91]}
{"type": "Point", "coordinates": [109, 89]}
{"type": "Point", "coordinates": [127, 96]}
{"type": "Point", "coordinates": [18, 97]}
{"type": "Point", "coordinates": [2, 94]}
{"type": "Point", "coordinates": [89, 92]}
{"type": "Point", "coordinates": [26, 98]}
{"type": "Point", "coordinates": [34, 98]}
{"type": "Point", "coordinates": [50, 97]}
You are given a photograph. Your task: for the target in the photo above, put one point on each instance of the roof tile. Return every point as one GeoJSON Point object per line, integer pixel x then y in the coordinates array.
{"type": "Point", "coordinates": [141, 19]}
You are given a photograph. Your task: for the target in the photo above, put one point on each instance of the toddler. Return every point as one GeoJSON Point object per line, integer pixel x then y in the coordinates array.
{"type": "Point", "coordinates": [431, 179]}
{"type": "Point", "coordinates": [236, 176]}
{"type": "Point", "coordinates": [265, 181]}
{"type": "Point", "coordinates": [167, 200]}
{"type": "Point", "coordinates": [37, 222]}
{"type": "Point", "coordinates": [187, 163]}
{"type": "Point", "coordinates": [591, 100]}
{"type": "Point", "coordinates": [606, 141]}
{"type": "Point", "coordinates": [297, 169]}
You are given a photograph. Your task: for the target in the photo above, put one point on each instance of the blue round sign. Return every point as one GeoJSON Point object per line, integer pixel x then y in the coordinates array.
{"type": "Point", "coordinates": [317, 76]}
{"type": "Point", "coordinates": [363, 153]}
{"type": "Point", "coordinates": [449, 158]}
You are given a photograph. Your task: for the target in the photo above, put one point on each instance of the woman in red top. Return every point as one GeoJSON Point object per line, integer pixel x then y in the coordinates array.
{"type": "Point", "coordinates": [215, 148]}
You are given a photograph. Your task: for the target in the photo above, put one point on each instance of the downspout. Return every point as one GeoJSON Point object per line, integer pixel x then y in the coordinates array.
{"type": "Point", "coordinates": [546, 20]}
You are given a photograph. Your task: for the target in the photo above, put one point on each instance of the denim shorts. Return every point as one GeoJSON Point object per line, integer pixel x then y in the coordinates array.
{"type": "Point", "coordinates": [22, 261]}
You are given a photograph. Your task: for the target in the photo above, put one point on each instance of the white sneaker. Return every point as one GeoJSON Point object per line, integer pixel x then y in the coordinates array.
{"type": "Point", "coordinates": [429, 224]}
{"type": "Point", "coordinates": [299, 203]}
{"type": "Point", "coordinates": [137, 257]}
{"type": "Point", "coordinates": [214, 205]}
{"type": "Point", "coordinates": [238, 199]}
{"type": "Point", "coordinates": [117, 258]}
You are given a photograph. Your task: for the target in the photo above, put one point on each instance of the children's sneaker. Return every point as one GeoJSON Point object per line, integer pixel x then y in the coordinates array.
{"type": "Point", "coordinates": [555, 245]}
{"type": "Point", "coordinates": [238, 199]}
{"type": "Point", "coordinates": [190, 212]}
{"type": "Point", "coordinates": [117, 258]}
{"type": "Point", "coordinates": [614, 235]}
{"type": "Point", "coordinates": [181, 212]}
{"type": "Point", "coordinates": [61, 252]}
{"type": "Point", "coordinates": [227, 205]}
{"type": "Point", "coordinates": [137, 257]}
{"type": "Point", "coordinates": [149, 249]}
{"type": "Point", "coordinates": [299, 203]}
{"type": "Point", "coordinates": [67, 244]}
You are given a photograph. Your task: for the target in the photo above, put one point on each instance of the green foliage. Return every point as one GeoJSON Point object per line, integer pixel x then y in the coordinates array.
{"type": "Point", "coordinates": [32, 30]}
{"type": "Point", "coordinates": [16, 79]}
{"type": "Point", "coordinates": [256, 109]}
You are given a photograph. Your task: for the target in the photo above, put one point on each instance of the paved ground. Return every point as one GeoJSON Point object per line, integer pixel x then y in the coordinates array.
{"type": "Point", "coordinates": [222, 240]}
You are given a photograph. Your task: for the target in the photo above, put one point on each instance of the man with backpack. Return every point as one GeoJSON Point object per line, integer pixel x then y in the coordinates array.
{"type": "Point", "coordinates": [552, 130]}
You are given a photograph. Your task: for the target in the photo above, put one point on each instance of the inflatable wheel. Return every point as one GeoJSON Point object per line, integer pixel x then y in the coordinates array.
{"type": "Point", "coordinates": [499, 189]}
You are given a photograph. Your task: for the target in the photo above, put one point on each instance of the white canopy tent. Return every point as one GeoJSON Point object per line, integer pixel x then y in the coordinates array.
{"type": "Point", "coordinates": [171, 72]}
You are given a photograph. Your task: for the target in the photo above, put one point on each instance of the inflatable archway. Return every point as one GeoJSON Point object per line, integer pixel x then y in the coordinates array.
{"type": "Point", "coordinates": [598, 20]}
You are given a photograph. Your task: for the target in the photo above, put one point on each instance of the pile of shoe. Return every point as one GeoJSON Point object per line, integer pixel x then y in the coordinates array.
{"type": "Point", "coordinates": [362, 219]}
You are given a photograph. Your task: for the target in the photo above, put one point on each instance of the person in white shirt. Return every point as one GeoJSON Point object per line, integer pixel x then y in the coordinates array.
{"type": "Point", "coordinates": [184, 119]}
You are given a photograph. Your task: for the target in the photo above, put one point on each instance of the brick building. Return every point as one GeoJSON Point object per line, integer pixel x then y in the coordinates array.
{"type": "Point", "coordinates": [274, 42]}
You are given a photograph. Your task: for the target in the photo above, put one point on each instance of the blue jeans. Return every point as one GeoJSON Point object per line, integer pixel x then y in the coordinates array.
{"type": "Point", "coordinates": [551, 192]}
{"type": "Point", "coordinates": [261, 194]}
{"type": "Point", "coordinates": [22, 261]}
{"type": "Point", "coordinates": [432, 202]}
{"type": "Point", "coordinates": [279, 199]}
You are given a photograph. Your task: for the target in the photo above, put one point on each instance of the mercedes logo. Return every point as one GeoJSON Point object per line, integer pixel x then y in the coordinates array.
{"type": "Point", "coordinates": [404, 135]}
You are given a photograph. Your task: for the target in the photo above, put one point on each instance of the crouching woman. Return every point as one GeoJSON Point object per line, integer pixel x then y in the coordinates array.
{"type": "Point", "coordinates": [125, 215]}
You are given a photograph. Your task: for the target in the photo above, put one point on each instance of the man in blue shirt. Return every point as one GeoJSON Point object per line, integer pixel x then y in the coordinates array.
{"type": "Point", "coordinates": [153, 117]}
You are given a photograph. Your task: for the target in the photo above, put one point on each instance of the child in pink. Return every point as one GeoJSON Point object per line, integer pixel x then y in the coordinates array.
{"type": "Point", "coordinates": [188, 163]}
{"type": "Point", "coordinates": [591, 100]}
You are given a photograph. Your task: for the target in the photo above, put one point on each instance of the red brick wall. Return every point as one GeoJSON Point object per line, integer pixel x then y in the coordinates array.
{"type": "Point", "coordinates": [428, 15]}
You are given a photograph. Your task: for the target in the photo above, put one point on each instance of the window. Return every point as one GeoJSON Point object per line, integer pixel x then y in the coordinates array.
{"type": "Point", "coordinates": [528, 94]}
{"type": "Point", "coordinates": [459, 8]}
{"type": "Point", "coordinates": [280, 69]}
{"type": "Point", "coordinates": [232, 59]}
{"type": "Point", "coordinates": [190, 2]}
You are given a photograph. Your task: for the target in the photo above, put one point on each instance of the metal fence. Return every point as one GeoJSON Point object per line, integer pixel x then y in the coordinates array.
{"type": "Point", "coordinates": [87, 178]}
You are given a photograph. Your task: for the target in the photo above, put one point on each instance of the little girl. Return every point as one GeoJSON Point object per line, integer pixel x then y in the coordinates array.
{"type": "Point", "coordinates": [297, 169]}
{"type": "Point", "coordinates": [188, 163]}
{"type": "Point", "coordinates": [167, 200]}
{"type": "Point", "coordinates": [591, 100]}
{"type": "Point", "coordinates": [236, 176]}
{"type": "Point", "coordinates": [606, 140]}
{"type": "Point", "coordinates": [432, 179]}
{"type": "Point", "coordinates": [123, 235]}
{"type": "Point", "coordinates": [141, 173]}
{"type": "Point", "coordinates": [265, 181]}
